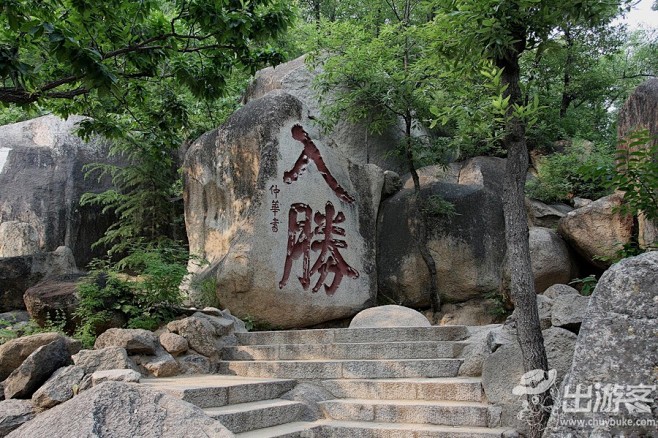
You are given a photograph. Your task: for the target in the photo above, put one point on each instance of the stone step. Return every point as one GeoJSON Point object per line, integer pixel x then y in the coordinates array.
{"type": "Point", "coordinates": [209, 391]}
{"type": "Point", "coordinates": [391, 350]}
{"type": "Point", "coordinates": [343, 369]}
{"type": "Point", "coordinates": [299, 429]}
{"type": "Point", "coordinates": [355, 335]}
{"type": "Point", "coordinates": [440, 413]}
{"type": "Point", "coordinates": [245, 417]}
{"type": "Point", "coordinates": [448, 388]}
{"type": "Point", "coordinates": [359, 429]}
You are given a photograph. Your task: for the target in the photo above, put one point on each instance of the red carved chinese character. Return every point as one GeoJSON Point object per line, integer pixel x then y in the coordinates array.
{"type": "Point", "coordinates": [312, 153]}
{"type": "Point", "coordinates": [329, 261]}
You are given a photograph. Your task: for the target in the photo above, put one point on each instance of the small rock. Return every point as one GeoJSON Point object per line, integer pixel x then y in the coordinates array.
{"type": "Point", "coordinates": [36, 369]}
{"type": "Point", "coordinates": [569, 311]}
{"type": "Point", "coordinates": [59, 388]}
{"type": "Point", "coordinates": [392, 184]}
{"type": "Point", "coordinates": [162, 364]}
{"type": "Point", "coordinates": [199, 332]}
{"type": "Point", "coordinates": [557, 290]}
{"type": "Point", "coordinates": [13, 413]}
{"type": "Point", "coordinates": [9, 318]}
{"type": "Point", "coordinates": [173, 343]}
{"type": "Point", "coordinates": [109, 358]}
{"type": "Point", "coordinates": [135, 341]}
{"type": "Point", "coordinates": [223, 326]}
{"type": "Point", "coordinates": [193, 363]}
{"type": "Point", "coordinates": [389, 316]}
{"type": "Point", "coordinates": [309, 394]}
{"type": "Point", "coordinates": [127, 376]}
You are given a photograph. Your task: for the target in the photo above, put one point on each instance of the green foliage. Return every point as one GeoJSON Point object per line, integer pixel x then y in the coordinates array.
{"type": "Point", "coordinates": [560, 177]}
{"type": "Point", "coordinates": [437, 206]}
{"type": "Point", "coordinates": [497, 308]}
{"type": "Point", "coordinates": [585, 285]}
{"type": "Point", "coordinates": [142, 289]}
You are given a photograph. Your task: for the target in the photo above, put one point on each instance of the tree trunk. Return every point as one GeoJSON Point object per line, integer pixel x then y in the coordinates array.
{"type": "Point", "coordinates": [522, 287]}
{"type": "Point", "coordinates": [567, 96]}
{"type": "Point", "coordinates": [419, 222]}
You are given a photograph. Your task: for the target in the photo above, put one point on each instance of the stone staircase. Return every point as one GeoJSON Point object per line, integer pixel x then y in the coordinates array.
{"type": "Point", "coordinates": [392, 382]}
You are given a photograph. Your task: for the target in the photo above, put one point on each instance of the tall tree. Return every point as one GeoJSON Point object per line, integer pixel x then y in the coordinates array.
{"type": "Point", "coordinates": [501, 31]}
{"type": "Point", "coordinates": [373, 75]}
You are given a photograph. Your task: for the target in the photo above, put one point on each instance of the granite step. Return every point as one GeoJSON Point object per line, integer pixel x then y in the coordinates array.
{"type": "Point", "coordinates": [440, 413]}
{"type": "Point", "coordinates": [208, 391]}
{"type": "Point", "coordinates": [391, 350]}
{"type": "Point", "coordinates": [448, 388]}
{"type": "Point", "coordinates": [299, 429]}
{"type": "Point", "coordinates": [245, 417]}
{"type": "Point", "coordinates": [356, 335]}
{"type": "Point", "coordinates": [342, 369]}
{"type": "Point", "coordinates": [361, 429]}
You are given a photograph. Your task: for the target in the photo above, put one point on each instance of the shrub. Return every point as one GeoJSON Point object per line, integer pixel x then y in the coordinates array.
{"type": "Point", "coordinates": [561, 178]}
{"type": "Point", "coordinates": [142, 289]}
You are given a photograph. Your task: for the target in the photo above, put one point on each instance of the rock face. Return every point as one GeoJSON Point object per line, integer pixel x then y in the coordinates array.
{"type": "Point", "coordinates": [551, 261]}
{"type": "Point", "coordinates": [114, 409]}
{"type": "Point", "coordinates": [18, 239]}
{"type": "Point", "coordinates": [595, 231]}
{"type": "Point", "coordinates": [619, 336]}
{"type": "Point", "coordinates": [42, 180]}
{"type": "Point", "coordinates": [13, 413]}
{"type": "Point", "coordinates": [53, 299]}
{"type": "Point", "coordinates": [59, 388]}
{"type": "Point", "coordinates": [36, 369]}
{"type": "Point", "coordinates": [468, 249]}
{"type": "Point", "coordinates": [110, 358]}
{"type": "Point", "coordinates": [285, 220]}
{"type": "Point", "coordinates": [134, 341]}
{"type": "Point", "coordinates": [14, 352]}
{"type": "Point", "coordinates": [389, 316]}
{"type": "Point", "coordinates": [18, 274]}
{"type": "Point", "coordinates": [351, 139]}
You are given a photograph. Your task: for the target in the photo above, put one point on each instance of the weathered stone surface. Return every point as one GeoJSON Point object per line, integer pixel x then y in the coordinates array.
{"type": "Point", "coordinates": [543, 215]}
{"type": "Point", "coordinates": [18, 239]}
{"type": "Point", "coordinates": [109, 358]}
{"type": "Point", "coordinates": [18, 274]}
{"type": "Point", "coordinates": [241, 177]}
{"type": "Point", "coordinates": [392, 184]}
{"type": "Point", "coordinates": [115, 409]}
{"type": "Point", "coordinates": [352, 140]}
{"type": "Point", "coordinates": [223, 326]}
{"type": "Point", "coordinates": [59, 387]}
{"type": "Point", "coordinates": [42, 181]}
{"type": "Point", "coordinates": [54, 299]}
{"type": "Point", "coordinates": [478, 348]}
{"type": "Point", "coordinates": [558, 290]}
{"type": "Point", "coordinates": [193, 363]}
{"type": "Point", "coordinates": [615, 347]}
{"type": "Point", "coordinates": [309, 394]}
{"type": "Point", "coordinates": [173, 343]}
{"type": "Point", "coordinates": [14, 352]}
{"type": "Point", "coordinates": [568, 311]}
{"type": "Point", "coordinates": [502, 371]}
{"type": "Point", "coordinates": [475, 312]}
{"type": "Point", "coordinates": [551, 261]}
{"type": "Point", "coordinates": [134, 341]}
{"type": "Point", "coordinates": [162, 364]}
{"type": "Point", "coordinates": [13, 413]}
{"type": "Point", "coordinates": [10, 318]}
{"type": "Point", "coordinates": [122, 375]}
{"type": "Point", "coordinates": [640, 111]}
{"type": "Point", "coordinates": [468, 249]}
{"type": "Point", "coordinates": [199, 332]}
{"type": "Point", "coordinates": [389, 316]}
{"type": "Point", "coordinates": [36, 369]}
{"type": "Point", "coordinates": [595, 231]}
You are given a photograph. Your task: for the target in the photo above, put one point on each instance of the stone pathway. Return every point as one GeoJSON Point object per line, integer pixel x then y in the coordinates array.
{"type": "Point", "coordinates": [388, 382]}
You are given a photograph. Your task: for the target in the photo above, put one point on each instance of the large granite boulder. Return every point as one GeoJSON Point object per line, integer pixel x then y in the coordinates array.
{"type": "Point", "coordinates": [351, 139]}
{"type": "Point", "coordinates": [551, 261]}
{"type": "Point", "coordinates": [54, 299]}
{"type": "Point", "coordinates": [19, 273]}
{"type": "Point", "coordinates": [60, 387]}
{"type": "Point", "coordinates": [468, 248]}
{"type": "Point", "coordinates": [14, 352]}
{"type": "Point", "coordinates": [134, 341]}
{"type": "Point", "coordinates": [286, 222]}
{"type": "Point", "coordinates": [13, 414]}
{"type": "Point", "coordinates": [42, 180]}
{"type": "Point", "coordinates": [640, 111]}
{"type": "Point", "coordinates": [615, 355]}
{"type": "Point", "coordinates": [597, 231]}
{"type": "Point", "coordinates": [115, 409]}
{"type": "Point", "coordinates": [36, 369]}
